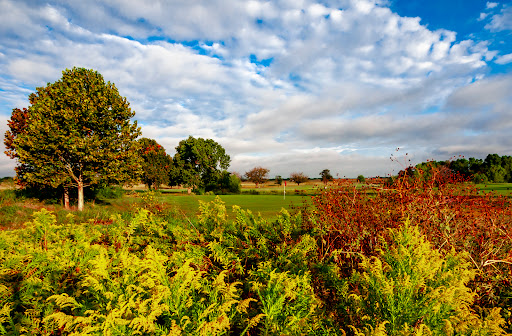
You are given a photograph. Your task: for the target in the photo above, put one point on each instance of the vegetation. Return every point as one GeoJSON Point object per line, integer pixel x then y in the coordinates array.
{"type": "Point", "coordinates": [229, 183]}
{"type": "Point", "coordinates": [326, 176]}
{"type": "Point", "coordinates": [298, 178]}
{"type": "Point", "coordinates": [450, 213]}
{"type": "Point", "coordinates": [200, 163]}
{"type": "Point", "coordinates": [426, 254]}
{"type": "Point", "coordinates": [156, 165]}
{"type": "Point", "coordinates": [257, 175]}
{"type": "Point", "coordinates": [419, 258]}
{"type": "Point", "coordinates": [76, 132]}
{"type": "Point", "coordinates": [494, 169]}
{"type": "Point", "coordinates": [361, 178]}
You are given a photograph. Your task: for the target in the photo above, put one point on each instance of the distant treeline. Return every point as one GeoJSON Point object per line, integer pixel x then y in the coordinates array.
{"type": "Point", "coordinates": [494, 168]}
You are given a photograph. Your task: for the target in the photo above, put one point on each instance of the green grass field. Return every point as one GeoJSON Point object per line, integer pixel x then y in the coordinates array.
{"type": "Point", "coordinates": [504, 189]}
{"type": "Point", "coordinates": [266, 205]}
{"type": "Point", "coordinates": [267, 200]}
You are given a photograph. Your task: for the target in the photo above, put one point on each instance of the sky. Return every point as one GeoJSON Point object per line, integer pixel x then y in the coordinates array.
{"type": "Point", "coordinates": [289, 85]}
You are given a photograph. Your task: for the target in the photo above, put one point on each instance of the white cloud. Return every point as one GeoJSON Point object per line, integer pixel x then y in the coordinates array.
{"type": "Point", "coordinates": [504, 59]}
{"type": "Point", "coordinates": [491, 5]}
{"type": "Point", "coordinates": [501, 21]}
{"type": "Point", "coordinates": [343, 75]}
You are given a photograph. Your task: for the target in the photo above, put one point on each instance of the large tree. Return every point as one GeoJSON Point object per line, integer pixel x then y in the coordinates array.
{"type": "Point", "coordinates": [76, 132]}
{"type": "Point", "coordinates": [200, 162]}
{"type": "Point", "coordinates": [156, 164]}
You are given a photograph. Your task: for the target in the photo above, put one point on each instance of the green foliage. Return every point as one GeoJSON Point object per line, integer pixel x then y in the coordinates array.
{"type": "Point", "coordinates": [200, 162]}
{"type": "Point", "coordinates": [109, 192]}
{"type": "Point", "coordinates": [287, 301]}
{"type": "Point", "coordinates": [497, 174]}
{"type": "Point", "coordinates": [145, 275]}
{"type": "Point", "coordinates": [156, 164]}
{"type": "Point", "coordinates": [494, 168]}
{"type": "Point", "coordinates": [279, 180]}
{"type": "Point", "coordinates": [228, 184]}
{"type": "Point", "coordinates": [76, 132]}
{"type": "Point", "coordinates": [361, 178]}
{"type": "Point", "coordinates": [411, 287]}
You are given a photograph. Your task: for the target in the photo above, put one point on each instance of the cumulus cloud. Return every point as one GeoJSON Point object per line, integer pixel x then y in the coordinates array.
{"type": "Point", "coordinates": [280, 83]}
{"type": "Point", "coordinates": [504, 59]}
{"type": "Point", "coordinates": [501, 21]}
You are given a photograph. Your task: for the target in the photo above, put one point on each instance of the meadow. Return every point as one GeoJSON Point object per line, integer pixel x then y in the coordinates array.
{"type": "Point", "coordinates": [416, 258]}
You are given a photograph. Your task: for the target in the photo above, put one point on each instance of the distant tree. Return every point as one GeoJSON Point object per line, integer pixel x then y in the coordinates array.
{"type": "Point", "coordinates": [361, 178]}
{"type": "Point", "coordinates": [298, 178]}
{"type": "Point", "coordinates": [496, 174]}
{"type": "Point", "coordinates": [326, 176]}
{"type": "Point", "coordinates": [492, 160]}
{"type": "Point", "coordinates": [174, 175]}
{"type": "Point", "coordinates": [156, 164]}
{"type": "Point", "coordinates": [506, 163]}
{"type": "Point", "coordinates": [461, 167]}
{"type": "Point", "coordinates": [200, 162]}
{"type": "Point", "coordinates": [279, 180]}
{"type": "Point", "coordinates": [494, 168]}
{"type": "Point", "coordinates": [480, 178]}
{"type": "Point", "coordinates": [257, 175]}
{"type": "Point", "coordinates": [75, 133]}
{"type": "Point", "coordinates": [475, 165]}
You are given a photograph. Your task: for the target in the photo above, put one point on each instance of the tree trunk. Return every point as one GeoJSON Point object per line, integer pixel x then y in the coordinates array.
{"type": "Point", "coordinates": [66, 198]}
{"type": "Point", "coordinates": [80, 195]}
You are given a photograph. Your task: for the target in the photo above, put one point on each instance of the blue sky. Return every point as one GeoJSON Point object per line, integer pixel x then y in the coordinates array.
{"type": "Point", "coordinates": [291, 85]}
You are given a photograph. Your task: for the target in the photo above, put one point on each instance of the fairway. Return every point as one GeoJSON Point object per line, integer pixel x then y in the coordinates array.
{"type": "Point", "coordinates": [266, 205]}
{"type": "Point", "coordinates": [504, 189]}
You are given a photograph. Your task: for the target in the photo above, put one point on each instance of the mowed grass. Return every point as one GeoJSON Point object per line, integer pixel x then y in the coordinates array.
{"type": "Point", "coordinates": [504, 189]}
{"type": "Point", "coordinates": [268, 206]}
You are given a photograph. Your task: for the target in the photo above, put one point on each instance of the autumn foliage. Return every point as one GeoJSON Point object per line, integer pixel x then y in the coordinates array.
{"type": "Point", "coordinates": [422, 256]}
{"type": "Point", "coordinates": [451, 213]}
{"type": "Point", "coordinates": [257, 175]}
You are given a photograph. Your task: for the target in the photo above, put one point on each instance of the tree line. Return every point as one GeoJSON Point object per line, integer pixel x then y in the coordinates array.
{"type": "Point", "coordinates": [493, 169]}
{"type": "Point", "coordinates": [78, 132]}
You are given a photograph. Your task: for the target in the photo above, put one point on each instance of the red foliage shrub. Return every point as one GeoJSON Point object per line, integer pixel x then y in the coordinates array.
{"type": "Point", "coordinates": [452, 213]}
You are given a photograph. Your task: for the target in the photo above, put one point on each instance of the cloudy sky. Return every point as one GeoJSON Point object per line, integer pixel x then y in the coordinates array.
{"type": "Point", "coordinates": [291, 85]}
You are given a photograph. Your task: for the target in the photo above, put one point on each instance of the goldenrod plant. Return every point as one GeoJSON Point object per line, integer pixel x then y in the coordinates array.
{"type": "Point", "coordinates": [143, 274]}
{"type": "Point", "coordinates": [411, 288]}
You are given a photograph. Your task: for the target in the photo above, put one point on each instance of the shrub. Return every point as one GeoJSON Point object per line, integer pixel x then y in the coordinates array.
{"type": "Point", "coordinates": [7, 195]}
{"type": "Point", "coordinates": [230, 183]}
{"type": "Point", "coordinates": [450, 214]}
{"type": "Point", "coordinates": [109, 192]}
{"type": "Point", "coordinates": [411, 287]}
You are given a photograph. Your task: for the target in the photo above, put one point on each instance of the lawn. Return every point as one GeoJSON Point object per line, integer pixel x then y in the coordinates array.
{"type": "Point", "coordinates": [498, 188]}
{"type": "Point", "coordinates": [266, 205]}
